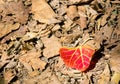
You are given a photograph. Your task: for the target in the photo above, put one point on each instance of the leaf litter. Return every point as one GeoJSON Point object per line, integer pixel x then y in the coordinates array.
{"type": "Point", "coordinates": [33, 31]}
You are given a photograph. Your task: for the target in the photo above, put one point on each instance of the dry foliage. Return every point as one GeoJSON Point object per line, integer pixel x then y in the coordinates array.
{"type": "Point", "coordinates": [33, 31]}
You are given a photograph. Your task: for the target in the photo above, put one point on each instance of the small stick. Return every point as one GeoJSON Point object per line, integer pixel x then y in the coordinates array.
{"type": "Point", "coordinates": [86, 41]}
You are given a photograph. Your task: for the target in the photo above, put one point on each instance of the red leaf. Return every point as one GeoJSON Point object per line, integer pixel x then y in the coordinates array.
{"type": "Point", "coordinates": [78, 58]}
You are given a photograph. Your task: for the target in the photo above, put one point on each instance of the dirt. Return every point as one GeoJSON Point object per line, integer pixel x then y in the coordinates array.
{"type": "Point", "coordinates": [33, 31]}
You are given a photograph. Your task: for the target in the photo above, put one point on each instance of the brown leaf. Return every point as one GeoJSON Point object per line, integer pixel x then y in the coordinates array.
{"type": "Point", "coordinates": [78, 1]}
{"type": "Point", "coordinates": [105, 76]}
{"type": "Point", "coordinates": [19, 13]}
{"type": "Point", "coordinates": [15, 34]}
{"type": "Point", "coordinates": [104, 19]}
{"type": "Point", "coordinates": [47, 77]}
{"type": "Point", "coordinates": [33, 73]}
{"type": "Point", "coordinates": [32, 59]}
{"type": "Point", "coordinates": [83, 20]}
{"type": "Point", "coordinates": [6, 28]}
{"type": "Point", "coordinates": [52, 46]}
{"type": "Point", "coordinates": [8, 75]}
{"type": "Point", "coordinates": [3, 58]}
{"type": "Point", "coordinates": [72, 12]}
{"type": "Point", "coordinates": [42, 11]}
{"type": "Point", "coordinates": [115, 59]}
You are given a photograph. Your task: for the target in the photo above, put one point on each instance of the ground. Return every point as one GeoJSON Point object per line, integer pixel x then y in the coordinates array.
{"type": "Point", "coordinates": [32, 32]}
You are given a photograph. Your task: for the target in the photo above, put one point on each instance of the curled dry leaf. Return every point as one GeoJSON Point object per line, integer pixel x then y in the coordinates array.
{"type": "Point", "coordinates": [29, 36]}
{"type": "Point", "coordinates": [78, 1]}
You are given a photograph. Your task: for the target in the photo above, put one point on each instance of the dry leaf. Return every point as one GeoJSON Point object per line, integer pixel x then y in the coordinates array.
{"type": "Point", "coordinates": [78, 1]}
{"type": "Point", "coordinates": [19, 13]}
{"type": "Point", "coordinates": [105, 76]}
{"type": "Point", "coordinates": [30, 80]}
{"type": "Point", "coordinates": [29, 36]}
{"type": "Point", "coordinates": [3, 59]}
{"type": "Point", "coordinates": [62, 9]}
{"type": "Point", "coordinates": [59, 64]}
{"type": "Point", "coordinates": [34, 73]}
{"type": "Point", "coordinates": [11, 64]}
{"type": "Point", "coordinates": [68, 23]}
{"type": "Point", "coordinates": [115, 60]}
{"type": "Point", "coordinates": [83, 20]}
{"type": "Point", "coordinates": [104, 19]}
{"type": "Point", "coordinates": [47, 77]}
{"type": "Point", "coordinates": [15, 34]}
{"type": "Point", "coordinates": [54, 80]}
{"type": "Point", "coordinates": [6, 28]}
{"type": "Point", "coordinates": [72, 12]}
{"type": "Point", "coordinates": [52, 46]}
{"type": "Point", "coordinates": [42, 11]}
{"type": "Point", "coordinates": [32, 59]}
{"type": "Point", "coordinates": [8, 75]}
{"type": "Point", "coordinates": [115, 78]}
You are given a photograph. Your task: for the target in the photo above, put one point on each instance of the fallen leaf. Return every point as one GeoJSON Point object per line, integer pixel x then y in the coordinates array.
{"type": "Point", "coordinates": [32, 59]}
{"type": "Point", "coordinates": [78, 58]}
{"type": "Point", "coordinates": [8, 75]}
{"type": "Point", "coordinates": [11, 64]}
{"type": "Point", "coordinates": [105, 76]}
{"type": "Point", "coordinates": [34, 73]}
{"type": "Point", "coordinates": [52, 46]}
{"type": "Point", "coordinates": [78, 1]}
{"type": "Point", "coordinates": [82, 21]}
{"type": "Point", "coordinates": [42, 11]}
{"type": "Point", "coordinates": [54, 80]}
{"type": "Point", "coordinates": [15, 34]}
{"type": "Point", "coordinates": [115, 78]}
{"type": "Point", "coordinates": [115, 59]}
{"type": "Point", "coordinates": [47, 77]}
{"type": "Point", "coordinates": [6, 28]}
{"type": "Point", "coordinates": [104, 19]}
{"type": "Point", "coordinates": [4, 57]}
{"type": "Point", "coordinates": [115, 63]}
{"type": "Point", "coordinates": [19, 13]}
{"type": "Point", "coordinates": [59, 64]}
{"type": "Point", "coordinates": [68, 23]}
{"type": "Point", "coordinates": [72, 12]}
{"type": "Point", "coordinates": [29, 36]}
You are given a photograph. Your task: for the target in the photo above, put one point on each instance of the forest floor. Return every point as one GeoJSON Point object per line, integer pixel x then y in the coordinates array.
{"type": "Point", "coordinates": [33, 31]}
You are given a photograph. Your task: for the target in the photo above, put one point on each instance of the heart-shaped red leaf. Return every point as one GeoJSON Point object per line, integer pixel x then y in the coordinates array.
{"type": "Point", "coordinates": [78, 58]}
